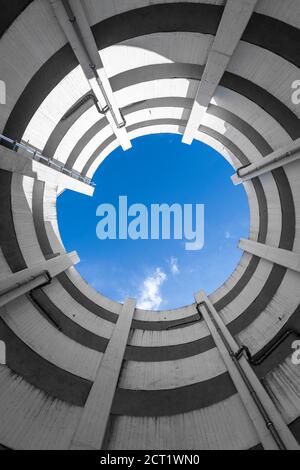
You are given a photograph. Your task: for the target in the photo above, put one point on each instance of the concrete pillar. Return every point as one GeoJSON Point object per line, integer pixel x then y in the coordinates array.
{"type": "Point", "coordinates": [73, 20]}
{"type": "Point", "coordinates": [288, 154]}
{"type": "Point", "coordinates": [235, 13]}
{"type": "Point", "coordinates": [94, 419]}
{"type": "Point", "coordinates": [19, 283]}
{"type": "Point", "coordinates": [251, 391]}
{"type": "Point", "coordinates": [285, 258]}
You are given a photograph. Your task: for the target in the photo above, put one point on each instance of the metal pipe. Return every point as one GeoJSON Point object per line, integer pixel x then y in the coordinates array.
{"type": "Point", "coordinates": [261, 358]}
{"type": "Point", "coordinates": [265, 164]}
{"type": "Point", "coordinates": [269, 424]}
{"type": "Point", "coordinates": [73, 21]}
{"type": "Point", "coordinates": [182, 324]}
{"type": "Point", "coordinates": [81, 102]}
{"type": "Point", "coordinates": [37, 156]}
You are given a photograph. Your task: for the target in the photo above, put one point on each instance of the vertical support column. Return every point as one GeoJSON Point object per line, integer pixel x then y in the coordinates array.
{"type": "Point", "coordinates": [94, 419]}
{"type": "Point", "coordinates": [286, 258]}
{"type": "Point", "coordinates": [72, 17]}
{"type": "Point", "coordinates": [235, 13]}
{"type": "Point", "coordinates": [269, 424]}
{"type": "Point", "coordinates": [16, 284]}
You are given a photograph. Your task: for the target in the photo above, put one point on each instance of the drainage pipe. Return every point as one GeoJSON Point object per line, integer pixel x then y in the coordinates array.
{"type": "Point", "coordinates": [269, 424]}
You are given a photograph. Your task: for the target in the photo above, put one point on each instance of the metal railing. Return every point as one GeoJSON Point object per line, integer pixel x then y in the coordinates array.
{"type": "Point", "coordinates": [37, 156]}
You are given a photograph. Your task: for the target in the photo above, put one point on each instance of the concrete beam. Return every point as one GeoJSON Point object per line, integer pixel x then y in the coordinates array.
{"type": "Point", "coordinates": [285, 258]}
{"type": "Point", "coordinates": [246, 382]}
{"type": "Point", "coordinates": [94, 419]}
{"type": "Point", "coordinates": [21, 162]}
{"type": "Point", "coordinates": [14, 285]}
{"type": "Point", "coordinates": [288, 154]}
{"type": "Point", "coordinates": [72, 18]}
{"type": "Point", "coordinates": [237, 13]}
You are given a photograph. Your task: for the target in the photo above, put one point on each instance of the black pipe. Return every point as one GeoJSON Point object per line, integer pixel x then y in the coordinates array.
{"type": "Point", "coordinates": [256, 361]}
{"type": "Point", "coordinates": [85, 99]}
{"type": "Point", "coordinates": [182, 324]}
{"type": "Point", "coordinates": [108, 107]}
{"type": "Point", "coordinates": [269, 424]}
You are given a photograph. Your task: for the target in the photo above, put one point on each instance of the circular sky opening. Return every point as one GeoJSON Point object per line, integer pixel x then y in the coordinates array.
{"type": "Point", "coordinates": [159, 273]}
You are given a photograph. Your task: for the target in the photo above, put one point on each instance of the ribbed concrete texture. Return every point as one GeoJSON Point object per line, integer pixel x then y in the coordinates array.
{"type": "Point", "coordinates": [79, 370]}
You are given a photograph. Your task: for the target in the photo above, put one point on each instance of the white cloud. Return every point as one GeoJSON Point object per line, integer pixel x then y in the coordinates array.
{"type": "Point", "coordinates": [150, 295]}
{"type": "Point", "coordinates": [174, 266]}
{"type": "Point", "coordinates": [228, 235]}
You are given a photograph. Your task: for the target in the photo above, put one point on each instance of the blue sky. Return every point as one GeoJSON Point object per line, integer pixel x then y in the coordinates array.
{"type": "Point", "coordinates": [161, 274]}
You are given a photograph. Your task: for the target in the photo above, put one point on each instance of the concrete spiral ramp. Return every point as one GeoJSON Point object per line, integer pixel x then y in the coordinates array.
{"type": "Point", "coordinates": [81, 370]}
